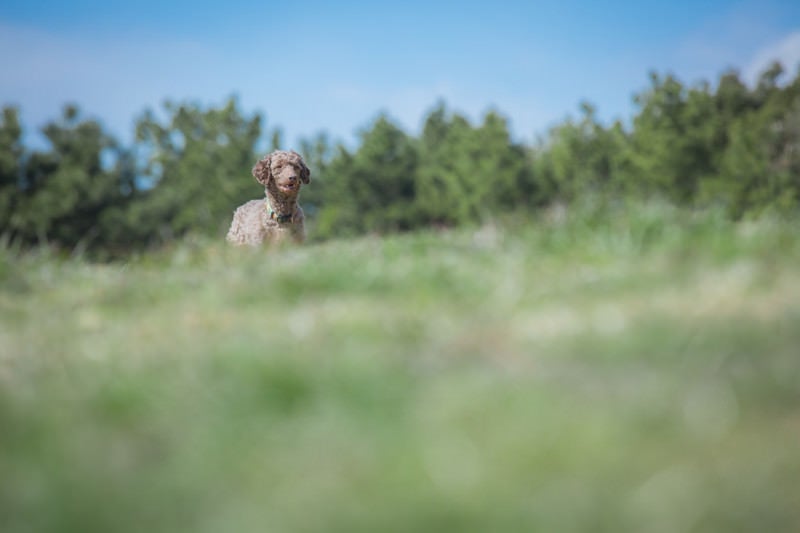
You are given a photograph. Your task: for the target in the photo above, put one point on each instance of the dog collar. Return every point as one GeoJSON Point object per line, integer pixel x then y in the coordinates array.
{"type": "Point", "coordinates": [281, 219]}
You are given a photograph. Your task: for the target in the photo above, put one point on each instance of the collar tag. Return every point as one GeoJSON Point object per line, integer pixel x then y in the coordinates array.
{"type": "Point", "coordinates": [281, 219]}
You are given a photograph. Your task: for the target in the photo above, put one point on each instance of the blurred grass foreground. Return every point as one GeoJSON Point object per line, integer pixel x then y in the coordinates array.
{"type": "Point", "coordinates": [636, 371]}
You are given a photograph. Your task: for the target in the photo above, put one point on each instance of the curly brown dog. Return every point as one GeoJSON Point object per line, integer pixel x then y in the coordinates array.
{"type": "Point", "coordinates": [278, 217]}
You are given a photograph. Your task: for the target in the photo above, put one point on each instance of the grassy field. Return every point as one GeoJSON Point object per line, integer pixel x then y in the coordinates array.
{"type": "Point", "coordinates": [628, 371]}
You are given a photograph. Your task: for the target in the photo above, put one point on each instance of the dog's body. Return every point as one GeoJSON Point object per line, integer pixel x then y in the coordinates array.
{"type": "Point", "coordinates": [278, 217]}
{"type": "Point", "coordinates": [254, 225]}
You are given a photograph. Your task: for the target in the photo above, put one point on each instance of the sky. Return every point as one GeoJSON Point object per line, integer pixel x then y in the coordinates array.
{"type": "Point", "coordinates": [332, 66]}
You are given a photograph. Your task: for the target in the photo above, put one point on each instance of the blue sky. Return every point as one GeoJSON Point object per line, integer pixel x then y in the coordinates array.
{"type": "Point", "coordinates": [313, 66]}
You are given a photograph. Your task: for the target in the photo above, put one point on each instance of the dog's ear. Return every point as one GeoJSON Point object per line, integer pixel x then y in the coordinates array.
{"type": "Point", "coordinates": [305, 173]}
{"type": "Point", "coordinates": [262, 172]}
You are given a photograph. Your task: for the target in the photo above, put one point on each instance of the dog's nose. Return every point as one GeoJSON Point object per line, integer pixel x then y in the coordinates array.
{"type": "Point", "coordinates": [292, 178]}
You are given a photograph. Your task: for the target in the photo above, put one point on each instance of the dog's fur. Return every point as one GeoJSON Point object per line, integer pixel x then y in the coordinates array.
{"type": "Point", "coordinates": [278, 217]}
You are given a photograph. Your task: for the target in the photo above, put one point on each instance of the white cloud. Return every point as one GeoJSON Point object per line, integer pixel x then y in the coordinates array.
{"type": "Point", "coordinates": [786, 51]}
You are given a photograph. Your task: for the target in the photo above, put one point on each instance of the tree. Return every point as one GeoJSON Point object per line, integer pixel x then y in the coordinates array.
{"type": "Point", "coordinates": [318, 153]}
{"type": "Point", "coordinates": [760, 169]}
{"type": "Point", "coordinates": [374, 188]}
{"type": "Point", "coordinates": [446, 181]}
{"type": "Point", "coordinates": [582, 157]}
{"type": "Point", "coordinates": [671, 138]}
{"type": "Point", "coordinates": [11, 153]}
{"type": "Point", "coordinates": [197, 168]}
{"type": "Point", "coordinates": [62, 193]}
{"type": "Point", "coordinates": [469, 173]}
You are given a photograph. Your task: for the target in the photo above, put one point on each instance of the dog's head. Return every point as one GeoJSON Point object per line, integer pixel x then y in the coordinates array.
{"type": "Point", "coordinates": [282, 172]}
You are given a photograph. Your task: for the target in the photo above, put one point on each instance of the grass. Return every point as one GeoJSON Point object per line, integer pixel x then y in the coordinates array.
{"type": "Point", "coordinates": [633, 370]}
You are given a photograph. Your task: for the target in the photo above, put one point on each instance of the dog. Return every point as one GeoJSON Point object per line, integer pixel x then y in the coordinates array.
{"type": "Point", "coordinates": [278, 217]}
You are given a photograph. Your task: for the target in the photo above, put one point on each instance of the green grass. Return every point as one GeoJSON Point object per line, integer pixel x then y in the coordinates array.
{"type": "Point", "coordinates": [610, 371]}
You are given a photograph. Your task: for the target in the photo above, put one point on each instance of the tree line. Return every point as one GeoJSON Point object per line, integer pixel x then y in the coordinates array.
{"type": "Point", "coordinates": [728, 145]}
